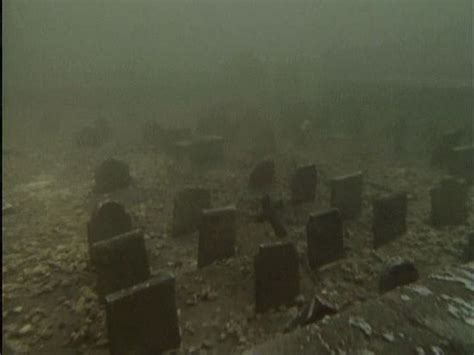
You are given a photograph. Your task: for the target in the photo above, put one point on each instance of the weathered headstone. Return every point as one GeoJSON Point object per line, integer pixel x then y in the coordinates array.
{"type": "Point", "coordinates": [270, 214]}
{"type": "Point", "coordinates": [449, 202]}
{"type": "Point", "coordinates": [346, 195]}
{"type": "Point", "coordinates": [112, 175]}
{"type": "Point", "coordinates": [120, 262]}
{"type": "Point", "coordinates": [143, 319]}
{"type": "Point", "coordinates": [262, 175]}
{"type": "Point", "coordinates": [303, 184]}
{"type": "Point", "coordinates": [462, 162]}
{"type": "Point", "coordinates": [217, 233]}
{"type": "Point", "coordinates": [188, 206]}
{"type": "Point", "coordinates": [207, 150]}
{"type": "Point", "coordinates": [324, 235]}
{"type": "Point", "coordinates": [397, 272]}
{"type": "Point", "coordinates": [389, 218]}
{"type": "Point", "coordinates": [442, 152]}
{"type": "Point", "coordinates": [276, 276]}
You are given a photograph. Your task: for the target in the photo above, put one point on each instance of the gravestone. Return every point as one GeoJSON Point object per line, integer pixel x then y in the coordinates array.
{"type": "Point", "coordinates": [449, 202]}
{"type": "Point", "coordinates": [188, 206]}
{"type": "Point", "coordinates": [112, 175]}
{"type": "Point", "coordinates": [303, 184]}
{"type": "Point", "coordinates": [346, 195]}
{"type": "Point", "coordinates": [397, 272]}
{"type": "Point", "coordinates": [217, 233]}
{"type": "Point", "coordinates": [207, 150]}
{"type": "Point", "coordinates": [120, 262]}
{"type": "Point", "coordinates": [442, 152]}
{"type": "Point", "coordinates": [469, 248]}
{"type": "Point", "coordinates": [143, 319]}
{"type": "Point", "coordinates": [276, 276]}
{"type": "Point", "coordinates": [270, 214]}
{"type": "Point", "coordinates": [324, 235]}
{"type": "Point", "coordinates": [389, 218]}
{"type": "Point", "coordinates": [461, 163]}
{"type": "Point", "coordinates": [263, 175]}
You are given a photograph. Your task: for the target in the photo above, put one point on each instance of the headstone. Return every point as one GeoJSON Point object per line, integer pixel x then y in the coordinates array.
{"type": "Point", "coordinates": [108, 220]}
{"type": "Point", "coordinates": [442, 152]}
{"type": "Point", "coordinates": [303, 184]}
{"type": "Point", "coordinates": [263, 175]}
{"type": "Point", "coordinates": [269, 214]}
{"type": "Point", "coordinates": [143, 319]}
{"type": "Point", "coordinates": [312, 312]}
{"type": "Point", "coordinates": [207, 150]}
{"type": "Point", "coordinates": [397, 272]}
{"type": "Point", "coordinates": [389, 218]}
{"type": "Point", "coordinates": [346, 195]}
{"type": "Point", "coordinates": [120, 262]}
{"type": "Point", "coordinates": [276, 276]}
{"type": "Point", "coordinates": [449, 202]}
{"type": "Point", "coordinates": [112, 175]}
{"type": "Point", "coordinates": [188, 206]}
{"type": "Point", "coordinates": [324, 236]}
{"type": "Point", "coordinates": [461, 163]}
{"type": "Point", "coordinates": [217, 233]}
{"type": "Point", "coordinates": [469, 251]}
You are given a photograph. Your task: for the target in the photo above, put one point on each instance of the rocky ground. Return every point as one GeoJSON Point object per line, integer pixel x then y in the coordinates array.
{"type": "Point", "coordinates": [48, 288]}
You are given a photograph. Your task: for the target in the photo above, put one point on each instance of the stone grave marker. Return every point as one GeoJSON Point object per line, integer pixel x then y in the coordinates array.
{"type": "Point", "coordinates": [188, 206]}
{"type": "Point", "coordinates": [449, 202]}
{"type": "Point", "coordinates": [143, 319]}
{"type": "Point", "coordinates": [262, 175]}
{"type": "Point", "coordinates": [207, 150]}
{"type": "Point", "coordinates": [303, 184]}
{"type": "Point", "coordinates": [111, 175]}
{"type": "Point", "coordinates": [389, 218]}
{"type": "Point", "coordinates": [120, 262]}
{"type": "Point", "coordinates": [346, 194]}
{"type": "Point", "coordinates": [442, 152]}
{"type": "Point", "coordinates": [461, 163]}
{"type": "Point", "coordinates": [276, 276]}
{"type": "Point", "coordinates": [397, 272]}
{"type": "Point", "coordinates": [469, 248]}
{"type": "Point", "coordinates": [217, 233]}
{"type": "Point", "coordinates": [324, 236]}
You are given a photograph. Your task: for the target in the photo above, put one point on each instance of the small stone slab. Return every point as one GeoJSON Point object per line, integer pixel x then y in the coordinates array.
{"type": "Point", "coordinates": [143, 319]}
{"type": "Point", "coordinates": [112, 175]}
{"type": "Point", "coordinates": [397, 272]}
{"type": "Point", "coordinates": [262, 175]}
{"type": "Point", "coordinates": [217, 233]}
{"type": "Point", "coordinates": [389, 218]}
{"type": "Point", "coordinates": [449, 202]}
{"type": "Point", "coordinates": [188, 207]}
{"type": "Point", "coordinates": [324, 235]}
{"type": "Point", "coordinates": [276, 276]}
{"type": "Point", "coordinates": [346, 195]}
{"type": "Point", "coordinates": [120, 262]}
{"type": "Point", "coordinates": [303, 184]}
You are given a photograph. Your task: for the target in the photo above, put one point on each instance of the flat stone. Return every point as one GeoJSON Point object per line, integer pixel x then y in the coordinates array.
{"type": "Point", "coordinates": [449, 202]}
{"type": "Point", "coordinates": [276, 276]}
{"type": "Point", "coordinates": [397, 272]}
{"type": "Point", "coordinates": [217, 233]}
{"type": "Point", "coordinates": [120, 262]}
{"type": "Point", "coordinates": [324, 235]}
{"type": "Point", "coordinates": [188, 207]}
{"type": "Point", "coordinates": [389, 218]}
{"type": "Point", "coordinates": [262, 175]}
{"type": "Point", "coordinates": [112, 175]}
{"type": "Point", "coordinates": [143, 319]}
{"type": "Point", "coordinates": [346, 194]}
{"type": "Point", "coordinates": [303, 184]}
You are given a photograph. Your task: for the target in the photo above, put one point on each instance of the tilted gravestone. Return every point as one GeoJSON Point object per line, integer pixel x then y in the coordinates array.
{"type": "Point", "coordinates": [188, 207]}
{"type": "Point", "coordinates": [277, 280]}
{"type": "Point", "coordinates": [324, 235]}
{"type": "Point", "coordinates": [389, 218]}
{"type": "Point", "coordinates": [396, 273]}
{"type": "Point", "coordinates": [303, 184]}
{"type": "Point", "coordinates": [143, 319]}
{"type": "Point", "coordinates": [449, 202]}
{"type": "Point", "coordinates": [461, 163]}
{"type": "Point", "coordinates": [217, 233]}
{"type": "Point", "coordinates": [262, 175]}
{"type": "Point", "coordinates": [120, 262]}
{"type": "Point", "coordinates": [346, 195]}
{"type": "Point", "coordinates": [111, 175]}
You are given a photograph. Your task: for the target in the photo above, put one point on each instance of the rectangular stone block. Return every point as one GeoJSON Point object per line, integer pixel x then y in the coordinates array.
{"type": "Point", "coordinates": [120, 262]}
{"type": "Point", "coordinates": [324, 234]}
{"type": "Point", "coordinates": [346, 195]}
{"type": "Point", "coordinates": [217, 233]}
{"type": "Point", "coordinates": [276, 276]}
{"type": "Point", "coordinates": [303, 184]}
{"type": "Point", "coordinates": [188, 207]}
{"type": "Point", "coordinates": [143, 319]}
{"type": "Point", "coordinates": [389, 218]}
{"type": "Point", "coordinates": [449, 202]}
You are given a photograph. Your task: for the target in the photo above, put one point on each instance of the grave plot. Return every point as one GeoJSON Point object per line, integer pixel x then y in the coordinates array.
{"type": "Point", "coordinates": [188, 206]}
{"type": "Point", "coordinates": [324, 235]}
{"type": "Point", "coordinates": [111, 175]}
{"type": "Point", "coordinates": [217, 233]}
{"type": "Point", "coordinates": [346, 195]}
{"type": "Point", "coordinates": [120, 262]}
{"type": "Point", "coordinates": [276, 276]}
{"type": "Point", "coordinates": [303, 184]}
{"type": "Point", "coordinates": [143, 319]}
{"type": "Point", "coordinates": [389, 218]}
{"type": "Point", "coordinates": [262, 175]}
{"type": "Point", "coordinates": [449, 202]}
